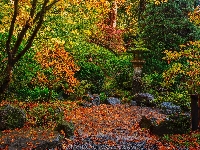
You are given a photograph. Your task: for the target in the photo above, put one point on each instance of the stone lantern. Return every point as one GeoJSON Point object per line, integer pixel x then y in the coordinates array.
{"type": "Point", "coordinates": [138, 63]}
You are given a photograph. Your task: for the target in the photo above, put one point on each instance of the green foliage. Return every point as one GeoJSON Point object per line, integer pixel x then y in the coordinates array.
{"type": "Point", "coordinates": [152, 82]}
{"type": "Point", "coordinates": [93, 74]}
{"type": "Point", "coordinates": [179, 98]}
{"type": "Point", "coordinates": [165, 26]}
{"type": "Point", "coordinates": [187, 72]}
{"type": "Point", "coordinates": [34, 94]}
{"type": "Point", "coordinates": [81, 90]}
{"type": "Point", "coordinates": [41, 115]}
{"type": "Point", "coordinates": [103, 97]}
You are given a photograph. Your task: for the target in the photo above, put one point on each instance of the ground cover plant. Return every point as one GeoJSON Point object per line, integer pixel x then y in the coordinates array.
{"type": "Point", "coordinates": [58, 56]}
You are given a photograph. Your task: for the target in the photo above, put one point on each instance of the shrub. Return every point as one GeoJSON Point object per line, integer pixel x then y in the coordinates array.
{"type": "Point", "coordinates": [42, 115]}
{"type": "Point", "coordinates": [179, 98]}
{"type": "Point", "coordinates": [166, 26]}
{"type": "Point", "coordinates": [66, 127]}
{"type": "Point", "coordinates": [93, 74]}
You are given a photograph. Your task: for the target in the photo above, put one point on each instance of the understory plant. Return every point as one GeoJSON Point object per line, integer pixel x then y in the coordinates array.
{"type": "Point", "coordinates": [185, 66]}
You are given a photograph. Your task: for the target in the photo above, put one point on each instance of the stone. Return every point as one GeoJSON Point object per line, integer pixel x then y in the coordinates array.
{"type": "Point", "coordinates": [95, 100]}
{"type": "Point", "coordinates": [90, 100]}
{"type": "Point", "coordinates": [144, 99]}
{"type": "Point", "coordinates": [113, 101]}
{"type": "Point", "coordinates": [169, 108]}
{"type": "Point", "coordinates": [133, 103]}
{"type": "Point", "coordinates": [11, 117]}
{"type": "Point", "coordinates": [85, 104]}
{"type": "Point", "coordinates": [137, 84]}
{"type": "Point", "coordinates": [67, 127]}
{"type": "Point", "coordinates": [176, 124]}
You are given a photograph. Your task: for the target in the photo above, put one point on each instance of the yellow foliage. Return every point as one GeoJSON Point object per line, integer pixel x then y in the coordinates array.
{"type": "Point", "coordinates": [195, 16]}
{"type": "Point", "coordinates": [191, 70]}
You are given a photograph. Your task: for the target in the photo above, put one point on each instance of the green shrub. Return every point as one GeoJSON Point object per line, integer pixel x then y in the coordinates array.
{"type": "Point", "coordinates": [103, 97]}
{"type": "Point", "coordinates": [166, 26]}
{"type": "Point", "coordinates": [34, 94]}
{"type": "Point", "coordinates": [93, 74]}
{"type": "Point", "coordinates": [179, 98]}
{"type": "Point", "coordinates": [67, 127]}
{"type": "Point", "coordinates": [42, 115]}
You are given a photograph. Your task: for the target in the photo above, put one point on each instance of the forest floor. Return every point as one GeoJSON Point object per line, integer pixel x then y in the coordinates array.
{"type": "Point", "coordinates": [104, 127]}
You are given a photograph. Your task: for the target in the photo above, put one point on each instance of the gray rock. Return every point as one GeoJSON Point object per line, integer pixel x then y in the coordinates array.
{"type": "Point", "coordinates": [144, 99]}
{"type": "Point", "coordinates": [113, 101]}
{"type": "Point", "coordinates": [95, 99]}
{"type": "Point", "coordinates": [11, 117]}
{"type": "Point", "coordinates": [169, 108]}
{"type": "Point", "coordinates": [133, 103]}
{"type": "Point", "coordinates": [39, 144]}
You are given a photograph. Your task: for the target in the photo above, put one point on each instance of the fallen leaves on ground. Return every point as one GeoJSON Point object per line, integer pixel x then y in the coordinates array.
{"type": "Point", "coordinates": [119, 122]}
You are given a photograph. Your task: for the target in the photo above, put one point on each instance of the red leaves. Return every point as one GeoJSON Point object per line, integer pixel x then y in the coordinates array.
{"type": "Point", "coordinates": [110, 38]}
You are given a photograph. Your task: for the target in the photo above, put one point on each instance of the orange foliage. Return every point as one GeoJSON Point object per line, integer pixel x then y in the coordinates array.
{"type": "Point", "coordinates": [58, 68]}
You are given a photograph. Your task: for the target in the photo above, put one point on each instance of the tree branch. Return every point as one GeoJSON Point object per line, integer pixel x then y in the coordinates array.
{"type": "Point", "coordinates": [34, 3]}
{"type": "Point", "coordinates": [11, 30]}
{"type": "Point", "coordinates": [30, 40]}
{"type": "Point", "coordinates": [46, 9]}
{"type": "Point", "coordinates": [38, 26]}
{"type": "Point", "coordinates": [26, 27]}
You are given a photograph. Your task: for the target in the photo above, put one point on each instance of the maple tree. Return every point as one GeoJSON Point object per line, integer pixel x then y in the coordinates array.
{"type": "Point", "coordinates": [27, 19]}
{"type": "Point", "coordinates": [189, 71]}
{"type": "Point", "coordinates": [58, 69]}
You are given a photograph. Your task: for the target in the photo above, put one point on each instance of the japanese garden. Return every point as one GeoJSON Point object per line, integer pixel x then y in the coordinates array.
{"type": "Point", "coordinates": [100, 74]}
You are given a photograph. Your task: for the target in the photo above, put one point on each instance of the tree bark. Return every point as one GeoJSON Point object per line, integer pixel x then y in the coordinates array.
{"type": "Point", "coordinates": [13, 57]}
{"type": "Point", "coordinates": [7, 76]}
{"type": "Point", "coordinates": [113, 15]}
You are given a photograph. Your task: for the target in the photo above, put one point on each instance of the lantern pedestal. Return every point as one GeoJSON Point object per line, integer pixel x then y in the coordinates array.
{"type": "Point", "coordinates": [138, 63]}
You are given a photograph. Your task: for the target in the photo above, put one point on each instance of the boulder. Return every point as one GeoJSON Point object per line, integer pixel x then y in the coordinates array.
{"type": "Point", "coordinates": [95, 99]}
{"type": "Point", "coordinates": [91, 100]}
{"type": "Point", "coordinates": [133, 103]}
{"type": "Point", "coordinates": [11, 117]}
{"type": "Point", "coordinates": [169, 108]}
{"type": "Point", "coordinates": [176, 124]}
{"type": "Point", "coordinates": [144, 99]}
{"type": "Point", "coordinates": [113, 101]}
{"type": "Point", "coordinates": [67, 127]}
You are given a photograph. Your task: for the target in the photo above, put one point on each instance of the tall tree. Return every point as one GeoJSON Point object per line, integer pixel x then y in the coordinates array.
{"type": "Point", "coordinates": [32, 14]}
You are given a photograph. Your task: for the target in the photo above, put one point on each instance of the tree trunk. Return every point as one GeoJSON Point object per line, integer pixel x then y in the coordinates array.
{"type": "Point", "coordinates": [7, 76]}
{"type": "Point", "coordinates": [113, 15]}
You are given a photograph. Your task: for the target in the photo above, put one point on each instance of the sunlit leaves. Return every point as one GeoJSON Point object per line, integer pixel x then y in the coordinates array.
{"type": "Point", "coordinates": [190, 70]}
{"type": "Point", "coordinates": [195, 16]}
{"type": "Point", "coordinates": [59, 68]}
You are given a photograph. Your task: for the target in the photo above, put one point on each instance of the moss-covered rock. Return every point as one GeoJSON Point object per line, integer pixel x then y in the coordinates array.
{"type": "Point", "coordinates": [11, 117]}
{"type": "Point", "coordinates": [67, 127]}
